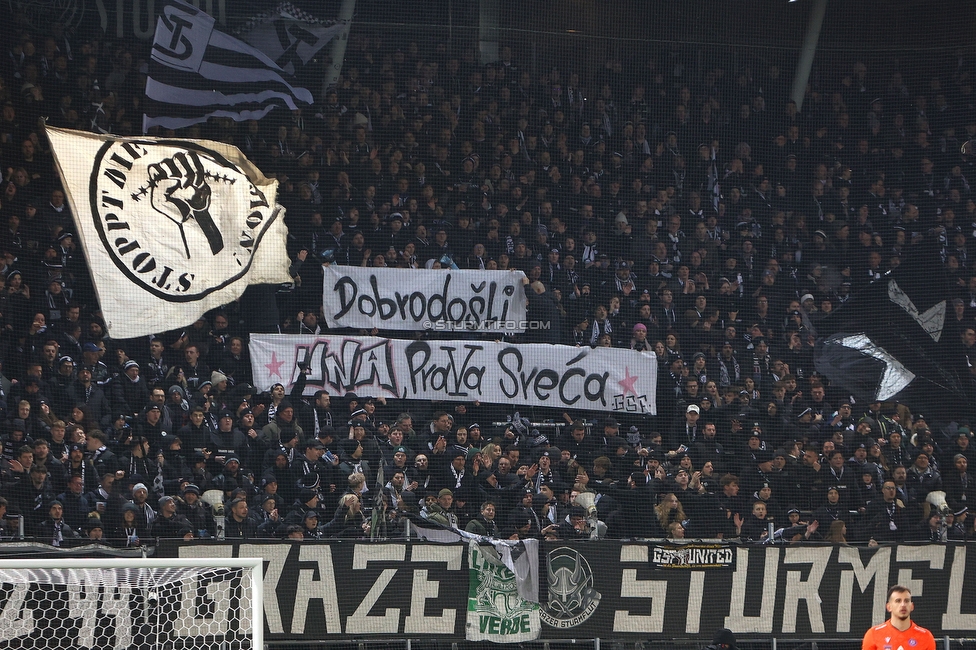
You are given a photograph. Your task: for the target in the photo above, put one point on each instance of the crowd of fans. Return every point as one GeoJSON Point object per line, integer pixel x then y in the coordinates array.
{"type": "Point", "coordinates": [712, 225]}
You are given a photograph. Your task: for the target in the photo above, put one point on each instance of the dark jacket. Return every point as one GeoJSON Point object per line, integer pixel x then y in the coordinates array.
{"type": "Point", "coordinates": [481, 526]}
{"type": "Point", "coordinates": [47, 530]}
{"type": "Point", "coordinates": [233, 529]}
{"type": "Point", "coordinates": [175, 527]}
{"type": "Point", "coordinates": [886, 522]}
{"type": "Point", "coordinates": [201, 519]}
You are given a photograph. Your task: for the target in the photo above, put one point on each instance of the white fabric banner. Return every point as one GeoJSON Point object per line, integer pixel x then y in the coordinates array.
{"type": "Point", "coordinates": [170, 228]}
{"type": "Point", "coordinates": [520, 556]}
{"type": "Point", "coordinates": [559, 376]}
{"type": "Point", "coordinates": [449, 300]}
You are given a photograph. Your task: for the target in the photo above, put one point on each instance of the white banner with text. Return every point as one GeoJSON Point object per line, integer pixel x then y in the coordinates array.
{"type": "Point", "coordinates": [559, 376]}
{"type": "Point", "coordinates": [395, 299]}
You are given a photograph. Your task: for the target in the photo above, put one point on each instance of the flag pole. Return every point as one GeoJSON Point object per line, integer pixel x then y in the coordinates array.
{"type": "Point", "coordinates": [808, 52]}
{"type": "Point", "coordinates": [338, 53]}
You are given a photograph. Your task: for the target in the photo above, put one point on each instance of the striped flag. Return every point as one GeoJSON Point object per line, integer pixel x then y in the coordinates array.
{"type": "Point", "coordinates": [197, 72]}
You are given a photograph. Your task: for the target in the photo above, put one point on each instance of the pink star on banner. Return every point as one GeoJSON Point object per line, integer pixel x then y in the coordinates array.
{"type": "Point", "coordinates": [627, 383]}
{"type": "Point", "coordinates": [274, 368]}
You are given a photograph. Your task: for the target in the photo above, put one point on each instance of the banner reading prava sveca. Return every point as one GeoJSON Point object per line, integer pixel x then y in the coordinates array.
{"type": "Point", "coordinates": [391, 299]}
{"type": "Point", "coordinates": [170, 228]}
{"type": "Point", "coordinates": [601, 379]}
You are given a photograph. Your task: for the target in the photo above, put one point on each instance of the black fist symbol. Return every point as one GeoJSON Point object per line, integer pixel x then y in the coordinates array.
{"type": "Point", "coordinates": [180, 192]}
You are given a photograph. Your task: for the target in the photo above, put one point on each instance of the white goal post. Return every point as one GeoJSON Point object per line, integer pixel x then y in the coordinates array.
{"type": "Point", "coordinates": [132, 603]}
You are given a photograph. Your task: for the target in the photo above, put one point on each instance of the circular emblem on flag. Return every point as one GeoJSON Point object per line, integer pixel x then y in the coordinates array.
{"type": "Point", "coordinates": [178, 218]}
{"type": "Point", "coordinates": [572, 598]}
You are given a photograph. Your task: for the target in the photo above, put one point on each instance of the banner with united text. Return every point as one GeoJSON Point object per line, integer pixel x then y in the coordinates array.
{"type": "Point", "coordinates": [344, 589]}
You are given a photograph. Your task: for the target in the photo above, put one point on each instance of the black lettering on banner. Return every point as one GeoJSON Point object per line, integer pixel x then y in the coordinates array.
{"type": "Point", "coordinates": [477, 305]}
{"type": "Point", "coordinates": [437, 305]}
{"type": "Point", "coordinates": [509, 390]}
{"type": "Point", "coordinates": [486, 315]}
{"type": "Point", "coordinates": [543, 381]}
{"type": "Point", "coordinates": [631, 403]}
{"type": "Point", "coordinates": [473, 308]}
{"type": "Point", "coordinates": [362, 366]}
{"type": "Point", "coordinates": [349, 364]}
{"type": "Point", "coordinates": [459, 370]}
{"type": "Point", "coordinates": [367, 306]}
{"type": "Point", "coordinates": [417, 308]}
{"type": "Point", "coordinates": [451, 311]}
{"type": "Point", "coordinates": [569, 374]}
{"type": "Point", "coordinates": [370, 306]}
{"type": "Point", "coordinates": [347, 290]}
{"type": "Point", "coordinates": [457, 377]}
{"type": "Point", "coordinates": [595, 387]}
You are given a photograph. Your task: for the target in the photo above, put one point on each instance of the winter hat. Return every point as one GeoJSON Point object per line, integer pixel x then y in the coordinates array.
{"type": "Point", "coordinates": [724, 639]}
{"type": "Point", "coordinates": [633, 435]}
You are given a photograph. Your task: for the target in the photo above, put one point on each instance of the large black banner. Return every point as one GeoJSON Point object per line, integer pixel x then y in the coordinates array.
{"type": "Point", "coordinates": [350, 589]}
{"type": "Point", "coordinates": [611, 589]}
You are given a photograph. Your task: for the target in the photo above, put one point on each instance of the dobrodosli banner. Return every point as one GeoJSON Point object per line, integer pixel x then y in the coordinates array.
{"type": "Point", "coordinates": [560, 376]}
{"type": "Point", "coordinates": [420, 300]}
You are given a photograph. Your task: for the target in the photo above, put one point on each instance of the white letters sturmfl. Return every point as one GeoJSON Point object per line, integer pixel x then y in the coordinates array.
{"type": "Point", "coordinates": [170, 228]}
{"type": "Point", "coordinates": [609, 590]}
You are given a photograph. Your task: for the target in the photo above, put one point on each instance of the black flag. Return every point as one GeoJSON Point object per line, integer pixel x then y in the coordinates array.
{"type": "Point", "coordinates": [889, 341]}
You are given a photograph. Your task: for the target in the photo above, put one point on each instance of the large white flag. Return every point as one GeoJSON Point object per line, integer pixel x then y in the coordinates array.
{"type": "Point", "coordinates": [170, 228]}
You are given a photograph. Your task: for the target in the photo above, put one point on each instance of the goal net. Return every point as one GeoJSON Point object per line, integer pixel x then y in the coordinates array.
{"type": "Point", "coordinates": [131, 604]}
